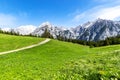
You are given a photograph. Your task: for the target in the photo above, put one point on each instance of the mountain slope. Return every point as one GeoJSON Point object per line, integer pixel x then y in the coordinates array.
{"type": "Point", "coordinates": [101, 29]}
{"type": "Point", "coordinates": [54, 31]}
{"type": "Point", "coordinates": [25, 30]}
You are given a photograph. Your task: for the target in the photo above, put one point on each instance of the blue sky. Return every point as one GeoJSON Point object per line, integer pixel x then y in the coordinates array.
{"type": "Point", "coordinates": [67, 13]}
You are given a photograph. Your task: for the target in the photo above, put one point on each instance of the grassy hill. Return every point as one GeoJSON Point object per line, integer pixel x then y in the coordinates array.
{"type": "Point", "coordinates": [8, 42]}
{"type": "Point", "coordinates": [58, 60]}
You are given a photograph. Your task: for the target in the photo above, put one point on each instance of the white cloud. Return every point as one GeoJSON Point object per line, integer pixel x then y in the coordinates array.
{"type": "Point", "coordinates": [102, 0]}
{"type": "Point", "coordinates": [6, 19]}
{"type": "Point", "coordinates": [111, 13]}
{"type": "Point", "coordinates": [108, 1]}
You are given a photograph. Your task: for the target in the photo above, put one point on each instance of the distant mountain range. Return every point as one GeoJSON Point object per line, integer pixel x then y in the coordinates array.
{"type": "Point", "coordinates": [96, 30]}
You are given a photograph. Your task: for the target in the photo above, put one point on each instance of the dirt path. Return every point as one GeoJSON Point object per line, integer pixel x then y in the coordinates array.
{"type": "Point", "coordinates": [23, 48]}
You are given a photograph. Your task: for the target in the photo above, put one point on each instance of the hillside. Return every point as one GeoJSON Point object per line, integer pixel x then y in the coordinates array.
{"type": "Point", "coordinates": [8, 42]}
{"type": "Point", "coordinates": [53, 59]}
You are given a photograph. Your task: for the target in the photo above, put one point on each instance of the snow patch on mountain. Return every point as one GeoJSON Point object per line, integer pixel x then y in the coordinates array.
{"type": "Point", "coordinates": [25, 30]}
{"type": "Point", "coordinates": [47, 24]}
{"type": "Point", "coordinates": [88, 24]}
{"type": "Point", "coordinates": [6, 29]}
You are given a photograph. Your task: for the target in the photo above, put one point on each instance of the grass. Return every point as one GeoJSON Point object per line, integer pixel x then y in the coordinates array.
{"type": "Point", "coordinates": [52, 61]}
{"type": "Point", "coordinates": [8, 42]}
{"type": "Point", "coordinates": [96, 67]}
{"type": "Point", "coordinates": [104, 49]}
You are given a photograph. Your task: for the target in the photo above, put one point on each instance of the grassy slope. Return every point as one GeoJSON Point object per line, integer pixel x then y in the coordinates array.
{"type": "Point", "coordinates": [8, 42]}
{"type": "Point", "coordinates": [103, 49]}
{"type": "Point", "coordinates": [42, 61]}
{"type": "Point", "coordinates": [105, 66]}
{"type": "Point", "coordinates": [39, 60]}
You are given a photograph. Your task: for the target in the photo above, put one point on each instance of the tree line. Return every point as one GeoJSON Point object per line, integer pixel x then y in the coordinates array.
{"type": "Point", "coordinates": [46, 34]}
{"type": "Point", "coordinates": [11, 32]}
{"type": "Point", "coordinates": [108, 41]}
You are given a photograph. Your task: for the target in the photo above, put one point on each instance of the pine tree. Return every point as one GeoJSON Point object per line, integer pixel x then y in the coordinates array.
{"type": "Point", "coordinates": [1, 30]}
{"type": "Point", "coordinates": [106, 42]}
{"type": "Point", "coordinates": [46, 34]}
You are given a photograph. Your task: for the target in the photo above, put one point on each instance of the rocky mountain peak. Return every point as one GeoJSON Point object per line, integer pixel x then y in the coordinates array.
{"type": "Point", "coordinates": [46, 24]}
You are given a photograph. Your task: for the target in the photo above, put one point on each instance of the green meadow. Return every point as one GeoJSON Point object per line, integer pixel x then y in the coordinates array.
{"type": "Point", "coordinates": [8, 42]}
{"type": "Point", "coordinates": [57, 60]}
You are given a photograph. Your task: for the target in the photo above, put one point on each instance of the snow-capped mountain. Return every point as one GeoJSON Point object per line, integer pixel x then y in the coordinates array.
{"type": "Point", "coordinates": [22, 30]}
{"type": "Point", "coordinates": [25, 30]}
{"type": "Point", "coordinates": [6, 29]}
{"type": "Point", "coordinates": [54, 31]}
{"type": "Point", "coordinates": [99, 29]}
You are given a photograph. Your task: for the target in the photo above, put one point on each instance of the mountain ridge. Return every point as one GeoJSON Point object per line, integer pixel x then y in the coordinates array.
{"type": "Point", "coordinates": [96, 30]}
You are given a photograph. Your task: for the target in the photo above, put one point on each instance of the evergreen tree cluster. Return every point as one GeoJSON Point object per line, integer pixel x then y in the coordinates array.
{"type": "Point", "coordinates": [12, 32]}
{"type": "Point", "coordinates": [106, 42]}
{"type": "Point", "coordinates": [46, 34]}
